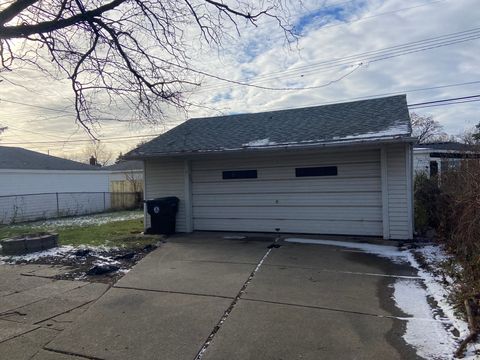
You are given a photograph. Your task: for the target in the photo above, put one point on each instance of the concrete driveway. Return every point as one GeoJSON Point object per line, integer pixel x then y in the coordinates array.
{"type": "Point", "coordinates": [206, 297]}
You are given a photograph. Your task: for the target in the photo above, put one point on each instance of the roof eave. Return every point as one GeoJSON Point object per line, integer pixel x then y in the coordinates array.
{"type": "Point", "coordinates": [286, 147]}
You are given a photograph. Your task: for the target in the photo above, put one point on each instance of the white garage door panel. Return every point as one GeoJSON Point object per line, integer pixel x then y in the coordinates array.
{"type": "Point", "coordinates": [305, 185]}
{"type": "Point", "coordinates": [288, 172]}
{"type": "Point", "coordinates": [288, 212]}
{"type": "Point", "coordinates": [266, 161]}
{"type": "Point", "coordinates": [349, 203]}
{"type": "Point", "coordinates": [292, 199]}
{"type": "Point", "coordinates": [367, 228]}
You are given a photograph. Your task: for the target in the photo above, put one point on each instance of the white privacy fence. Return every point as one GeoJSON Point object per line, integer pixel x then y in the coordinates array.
{"type": "Point", "coordinates": [28, 207]}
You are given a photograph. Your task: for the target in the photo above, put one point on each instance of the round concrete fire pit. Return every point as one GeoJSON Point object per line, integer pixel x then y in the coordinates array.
{"type": "Point", "coordinates": [23, 244]}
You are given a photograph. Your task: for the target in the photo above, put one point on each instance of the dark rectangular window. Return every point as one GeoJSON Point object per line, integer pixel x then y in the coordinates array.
{"type": "Point", "coordinates": [433, 168]}
{"type": "Point", "coordinates": [316, 171]}
{"type": "Point", "coordinates": [239, 174]}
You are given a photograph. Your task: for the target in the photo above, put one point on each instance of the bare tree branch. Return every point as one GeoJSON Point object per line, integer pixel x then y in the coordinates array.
{"type": "Point", "coordinates": [426, 129]}
{"type": "Point", "coordinates": [131, 54]}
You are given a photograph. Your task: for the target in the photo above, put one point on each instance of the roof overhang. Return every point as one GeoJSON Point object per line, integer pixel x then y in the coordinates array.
{"type": "Point", "coordinates": [378, 141]}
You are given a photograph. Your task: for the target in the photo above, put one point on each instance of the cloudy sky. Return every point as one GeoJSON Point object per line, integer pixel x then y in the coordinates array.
{"type": "Point", "coordinates": [346, 50]}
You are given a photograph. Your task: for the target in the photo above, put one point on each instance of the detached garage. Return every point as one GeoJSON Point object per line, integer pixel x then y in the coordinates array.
{"type": "Point", "coordinates": [334, 169]}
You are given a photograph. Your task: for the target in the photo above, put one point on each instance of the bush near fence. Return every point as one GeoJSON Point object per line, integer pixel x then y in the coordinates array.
{"type": "Point", "coordinates": [29, 207]}
{"type": "Point", "coordinates": [452, 205]}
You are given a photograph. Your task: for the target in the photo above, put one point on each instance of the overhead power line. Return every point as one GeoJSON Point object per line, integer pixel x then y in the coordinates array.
{"type": "Point", "coordinates": [362, 55]}
{"type": "Point", "coordinates": [448, 101]}
{"type": "Point", "coordinates": [444, 102]}
{"type": "Point", "coordinates": [347, 61]}
{"type": "Point", "coordinates": [79, 141]}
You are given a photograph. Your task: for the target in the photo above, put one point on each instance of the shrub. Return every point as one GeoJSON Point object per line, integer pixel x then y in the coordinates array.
{"type": "Point", "coordinates": [427, 195]}
{"type": "Point", "coordinates": [459, 223]}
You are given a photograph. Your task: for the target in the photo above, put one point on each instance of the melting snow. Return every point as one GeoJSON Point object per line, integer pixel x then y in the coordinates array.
{"type": "Point", "coordinates": [426, 333]}
{"type": "Point", "coordinates": [60, 251]}
{"type": "Point", "coordinates": [260, 142]}
{"type": "Point", "coordinates": [392, 131]}
{"type": "Point", "coordinates": [429, 333]}
{"type": "Point", "coordinates": [390, 252]}
{"type": "Point", "coordinates": [97, 219]}
{"type": "Point", "coordinates": [395, 130]}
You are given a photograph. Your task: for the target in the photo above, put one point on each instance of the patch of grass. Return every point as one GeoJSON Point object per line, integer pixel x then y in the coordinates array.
{"type": "Point", "coordinates": [124, 233]}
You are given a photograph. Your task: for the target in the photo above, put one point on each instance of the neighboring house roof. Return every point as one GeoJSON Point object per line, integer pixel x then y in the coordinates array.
{"type": "Point", "coordinates": [23, 159]}
{"type": "Point", "coordinates": [449, 145]}
{"type": "Point", "coordinates": [130, 165]}
{"type": "Point", "coordinates": [366, 120]}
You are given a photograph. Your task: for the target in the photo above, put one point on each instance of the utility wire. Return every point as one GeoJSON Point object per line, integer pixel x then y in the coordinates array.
{"type": "Point", "coordinates": [362, 55]}
{"type": "Point", "coordinates": [449, 101]}
{"type": "Point", "coordinates": [365, 58]}
{"type": "Point", "coordinates": [445, 100]}
{"type": "Point", "coordinates": [445, 104]}
{"type": "Point", "coordinates": [79, 141]}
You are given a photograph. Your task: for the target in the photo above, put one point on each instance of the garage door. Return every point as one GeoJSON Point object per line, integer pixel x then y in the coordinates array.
{"type": "Point", "coordinates": [328, 193]}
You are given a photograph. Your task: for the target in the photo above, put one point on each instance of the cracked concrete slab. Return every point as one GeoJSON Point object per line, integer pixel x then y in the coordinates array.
{"type": "Point", "coordinates": [214, 250]}
{"type": "Point", "coordinates": [51, 355]}
{"type": "Point", "coordinates": [257, 330]}
{"type": "Point", "coordinates": [37, 293]}
{"type": "Point", "coordinates": [62, 321]}
{"type": "Point", "coordinates": [311, 287]}
{"type": "Point", "coordinates": [135, 324]}
{"type": "Point", "coordinates": [217, 268]}
{"type": "Point", "coordinates": [206, 278]}
{"type": "Point", "coordinates": [42, 310]}
{"type": "Point", "coordinates": [48, 271]}
{"type": "Point", "coordinates": [335, 258]}
{"type": "Point", "coordinates": [12, 280]}
{"type": "Point", "coordinates": [11, 329]}
{"type": "Point", "coordinates": [56, 305]}
{"type": "Point", "coordinates": [27, 345]}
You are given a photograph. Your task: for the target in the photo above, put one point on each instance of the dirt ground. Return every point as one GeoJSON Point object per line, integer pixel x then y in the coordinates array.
{"type": "Point", "coordinates": [93, 264]}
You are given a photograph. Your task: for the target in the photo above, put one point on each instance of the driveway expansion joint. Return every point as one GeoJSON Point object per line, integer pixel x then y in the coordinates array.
{"type": "Point", "coordinates": [400, 318]}
{"type": "Point", "coordinates": [411, 277]}
{"type": "Point", "coordinates": [71, 354]}
{"type": "Point", "coordinates": [234, 302]}
{"type": "Point", "coordinates": [171, 292]}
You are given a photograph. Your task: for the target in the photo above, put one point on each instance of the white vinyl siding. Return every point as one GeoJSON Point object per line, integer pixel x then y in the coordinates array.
{"type": "Point", "coordinates": [18, 182]}
{"type": "Point", "coordinates": [166, 178]}
{"type": "Point", "coordinates": [27, 195]}
{"type": "Point", "coordinates": [398, 192]}
{"type": "Point", "coordinates": [348, 203]}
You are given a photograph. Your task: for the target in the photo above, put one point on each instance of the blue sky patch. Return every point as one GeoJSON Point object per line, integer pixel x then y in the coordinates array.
{"type": "Point", "coordinates": [324, 15]}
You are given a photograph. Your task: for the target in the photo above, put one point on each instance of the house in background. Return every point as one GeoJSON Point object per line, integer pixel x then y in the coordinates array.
{"type": "Point", "coordinates": [335, 169]}
{"type": "Point", "coordinates": [430, 158]}
{"type": "Point", "coordinates": [35, 185]}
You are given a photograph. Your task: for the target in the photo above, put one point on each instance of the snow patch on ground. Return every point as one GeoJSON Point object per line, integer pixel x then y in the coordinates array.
{"type": "Point", "coordinates": [60, 251]}
{"type": "Point", "coordinates": [97, 219]}
{"type": "Point", "coordinates": [430, 333]}
{"type": "Point", "coordinates": [65, 251]}
{"type": "Point", "coordinates": [425, 333]}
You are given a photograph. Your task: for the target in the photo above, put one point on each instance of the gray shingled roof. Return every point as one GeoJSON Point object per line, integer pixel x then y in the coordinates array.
{"type": "Point", "coordinates": [373, 119]}
{"type": "Point", "coordinates": [125, 166]}
{"type": "Point", "coordinates": [23, 159]}
{"type": "Point", "coordinates": [449, 145]}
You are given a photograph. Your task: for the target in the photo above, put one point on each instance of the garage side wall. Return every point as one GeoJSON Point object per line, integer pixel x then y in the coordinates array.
{"type": "Point", "coordinates": [399, 190]}
{"type": "Point", "coordinates": [166, 178]}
